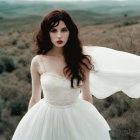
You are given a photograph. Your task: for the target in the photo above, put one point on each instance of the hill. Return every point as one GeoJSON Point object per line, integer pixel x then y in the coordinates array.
{"type": "Point", "coordinates": [100, 24]}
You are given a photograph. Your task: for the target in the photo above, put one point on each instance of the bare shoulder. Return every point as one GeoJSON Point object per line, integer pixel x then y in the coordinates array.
{"type": "Point", "coordinates": [34, 63]}
{"type": "Point", "coordinates": [35, 60]}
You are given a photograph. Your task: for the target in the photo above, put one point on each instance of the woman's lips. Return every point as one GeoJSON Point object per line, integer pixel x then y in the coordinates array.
{"type": "Point", "coordinates": [59, 42]}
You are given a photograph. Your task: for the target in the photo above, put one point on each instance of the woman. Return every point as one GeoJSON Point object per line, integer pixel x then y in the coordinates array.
{"type": "Point", "coordinates": [61, 69]}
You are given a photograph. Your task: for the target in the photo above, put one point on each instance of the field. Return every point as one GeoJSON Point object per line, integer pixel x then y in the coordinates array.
{"type": "Point", "coordinates": [112, 24]}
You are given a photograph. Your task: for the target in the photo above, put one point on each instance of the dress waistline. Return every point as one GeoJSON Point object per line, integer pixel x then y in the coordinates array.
{"type": "Point", "coordinates": [60, 106]}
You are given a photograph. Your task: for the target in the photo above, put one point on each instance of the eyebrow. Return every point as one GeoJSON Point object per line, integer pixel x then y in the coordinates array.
{"type": "Point", "coordinates": [62, 28]}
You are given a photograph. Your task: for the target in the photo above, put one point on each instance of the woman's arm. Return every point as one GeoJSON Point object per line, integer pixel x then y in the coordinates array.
{"type": "Point", "coordinates": [85, 87]}
{"type": "Point", "coordinates": [36, 85]}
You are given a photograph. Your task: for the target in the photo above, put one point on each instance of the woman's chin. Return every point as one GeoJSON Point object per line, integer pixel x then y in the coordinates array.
{"type": "Point", "coordinates": [59, 45]}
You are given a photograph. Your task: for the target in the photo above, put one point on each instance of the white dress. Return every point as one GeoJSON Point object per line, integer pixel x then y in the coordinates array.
{"type": "Point", "coordinates": [62, 115]}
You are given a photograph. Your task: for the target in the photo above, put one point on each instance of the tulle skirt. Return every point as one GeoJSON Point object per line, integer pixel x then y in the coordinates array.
{"type": "Point", "coordinates": [79, 121]}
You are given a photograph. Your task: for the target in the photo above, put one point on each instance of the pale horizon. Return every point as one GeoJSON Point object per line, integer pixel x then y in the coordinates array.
{"type": "Point", "coordinates": [65, 0]}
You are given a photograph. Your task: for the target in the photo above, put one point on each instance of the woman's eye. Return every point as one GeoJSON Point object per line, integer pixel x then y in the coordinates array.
{"type": "Point", "coordinates": [64, 30]}
{"type": "Point", "coordinates": [53, 30]}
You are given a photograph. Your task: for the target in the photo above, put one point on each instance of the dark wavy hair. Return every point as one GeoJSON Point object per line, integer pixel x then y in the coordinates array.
{"type": "Point", "coordinates": [73, 51]}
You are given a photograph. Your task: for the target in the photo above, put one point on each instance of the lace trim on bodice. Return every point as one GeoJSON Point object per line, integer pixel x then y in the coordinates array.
{"type": "Point", "coordinates": [57, 89]}
{"type": "Point", "coordinates": [61, 97]}
{"type": "Point", "coordinates": [53, 74]}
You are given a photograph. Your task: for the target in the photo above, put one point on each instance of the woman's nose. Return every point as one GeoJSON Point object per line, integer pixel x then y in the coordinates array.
{"type": "Point", "coordinates": [59, 34]}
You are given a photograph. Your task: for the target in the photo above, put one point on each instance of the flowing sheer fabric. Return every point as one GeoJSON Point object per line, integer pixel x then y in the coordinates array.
{"type": "Point", "coordinates": [114, 71]}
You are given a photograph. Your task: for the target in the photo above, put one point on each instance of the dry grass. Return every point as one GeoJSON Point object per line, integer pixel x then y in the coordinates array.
{"type": "Point", "coordinates": [124, 38]}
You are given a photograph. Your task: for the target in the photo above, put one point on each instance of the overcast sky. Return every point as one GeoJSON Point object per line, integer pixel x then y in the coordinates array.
{"type": "Point", "coordinates": [63, 0]}
{"type": "Point", "coordinates": [73, 0]}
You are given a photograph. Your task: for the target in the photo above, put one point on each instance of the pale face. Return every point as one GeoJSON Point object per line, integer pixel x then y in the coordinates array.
{"type": "Point", "coordinates": [60, 32]}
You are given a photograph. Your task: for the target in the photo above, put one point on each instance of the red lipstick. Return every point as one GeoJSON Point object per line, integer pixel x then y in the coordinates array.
{"type": "Point", "coordinates": [59, 41]}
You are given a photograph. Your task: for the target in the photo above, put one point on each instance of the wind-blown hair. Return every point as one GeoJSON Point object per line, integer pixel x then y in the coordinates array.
{"type": "Point", "coordinates": [73, 51]}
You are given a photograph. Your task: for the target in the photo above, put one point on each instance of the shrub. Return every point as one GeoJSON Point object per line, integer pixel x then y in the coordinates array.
{"type": "Point", "coordinates": [28, 77]}
{"type": "Point", "coordinates": [1, 119]}
{"type": "Point", "coordinates": [118, 107]}
{"type": "Point", "coordinates": [14, 41]}
{"type": "Point", "coordinates": [13, 53]}
{"type": "Point", "coordinates": [22, 46]}
{"type": "Point", "coordinates": [2, 66]}
{"type": "Point", "coordinates": [7, 64]}
{"type": "Point", "coordinates": [113, 111]}
{"type": "Point", "coordinates": [1, 18]}
{"type": "Point", "coordinates": [8, 92]}
{"type": "Point", "coordinates": [1, 127]}
{"type": "Point", "coordinates": [99, 103]}
{"type": "Point", "coordinates": [127, 23]}
{"type": "Point", "coordinates": [22, 74]}
{"type": "Point", "coordinates": [17, 106]}
{"type": "Point", "coordinates": [126, 130]}
{"type": "Point", "coordinates": [22, 61]}
{"type": "Point", "coordinates": [15, 99]}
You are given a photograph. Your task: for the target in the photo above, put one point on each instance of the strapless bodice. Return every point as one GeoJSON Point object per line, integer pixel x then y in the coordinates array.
{"type": "Point", "coordinates": [57, 89]}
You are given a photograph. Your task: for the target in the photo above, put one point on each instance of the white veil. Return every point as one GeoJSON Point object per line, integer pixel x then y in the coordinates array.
{"type": "Point", "coordinates": [114, 71]}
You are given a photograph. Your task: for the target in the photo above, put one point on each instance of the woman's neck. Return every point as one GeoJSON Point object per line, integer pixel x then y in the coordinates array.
{"type": "Point", "coordinates": [56, 52]}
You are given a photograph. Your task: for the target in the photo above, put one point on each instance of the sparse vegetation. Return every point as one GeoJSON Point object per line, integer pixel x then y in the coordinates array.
{"type": "Point", "coordinates": [22, 46]}
{"type": "Point", "coordinates": [14, 41]}
{"type": "Point", "coordinates": [103, 26]}
{"type": "Point", "coordinates": [6, 64]}
{"type": "Point", "coordinates": [22, 61]}
{"type": "Point", "coordinates": [1, 117]}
